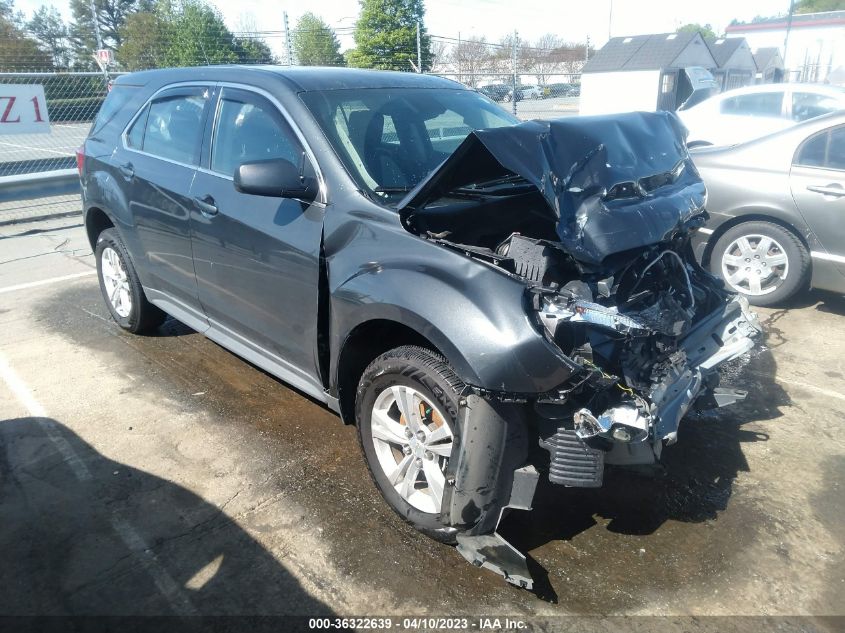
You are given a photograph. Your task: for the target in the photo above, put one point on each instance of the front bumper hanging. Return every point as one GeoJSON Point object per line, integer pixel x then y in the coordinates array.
{"type": "Point", "coordinates": [491, 474]}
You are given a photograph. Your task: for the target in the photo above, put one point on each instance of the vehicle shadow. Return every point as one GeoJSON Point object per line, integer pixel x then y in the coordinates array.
{"type": "Point", "coordinates": [694, 485]}
{"type": "Point", "coordinates": [822, 300]}
{"type": "Point", "coordinates": [83, 535]}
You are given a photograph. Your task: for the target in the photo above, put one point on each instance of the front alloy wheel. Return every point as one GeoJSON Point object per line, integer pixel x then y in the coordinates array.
{"type": "Point", "coordinates": [413, 443]}
{"type": "Point", "coordinates": [406, 408]}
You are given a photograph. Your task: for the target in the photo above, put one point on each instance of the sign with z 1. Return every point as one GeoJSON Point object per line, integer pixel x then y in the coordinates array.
{"type": "Point", "coordinates": [23, 110]}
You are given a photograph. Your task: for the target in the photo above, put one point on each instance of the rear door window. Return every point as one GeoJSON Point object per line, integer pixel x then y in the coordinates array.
{"type": "Point", "coordinates": [757, 104]}
{"type": "Point", "coordinates": [249, 128]}
{"type": "Point", "coordinates": [135, 136]}
{"type": "Point", "coordinates": [825, 150]}
{"type": "Point", "coordinates": [170, 127]}
{"type": "Point", "coordinates": [808, 105]}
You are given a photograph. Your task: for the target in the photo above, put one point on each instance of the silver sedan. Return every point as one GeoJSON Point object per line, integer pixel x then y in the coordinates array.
{"type": "Point", "coordinates": [777, 208]}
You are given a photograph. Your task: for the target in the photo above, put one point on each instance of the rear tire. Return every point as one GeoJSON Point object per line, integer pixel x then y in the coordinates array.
{"type": "Point", "coordinates": [121, 287]}
{"type": "Point", "coordinates": [410, 380]}
{"type": "Point", "coordinates": [762, 261]}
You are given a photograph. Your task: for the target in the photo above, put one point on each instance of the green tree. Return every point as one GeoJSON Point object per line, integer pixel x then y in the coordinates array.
{"type": "Point", "coordinates": [145, 40]}
{"type": "Point", "coordinates": [386, 35]}
{"type": "Point", "coordinates": [198, 36]}
{"type": "Point", "coordinates": [705, 29]}
{"type": "Point", "coordinates": [315, 43]}
{"type": "Point", "coordinates": [17, 51]}
{"type": "Point", "coordinates": [48, 28]}
{"type": "Point", "coordinates": [109, 15]}
{"type": "Point", "coordinates": [251, 49]}
{"type": "Point", "coordinates": [817, 6]}
{"type": "Point", "coordinates": [12, 16]}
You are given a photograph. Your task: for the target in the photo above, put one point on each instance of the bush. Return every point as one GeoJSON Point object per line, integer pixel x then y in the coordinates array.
{"type": "Point", "coordinates": [77, 109]}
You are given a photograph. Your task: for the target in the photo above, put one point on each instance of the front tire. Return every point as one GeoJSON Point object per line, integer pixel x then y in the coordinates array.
{"type": "Point", "coordinates": [406, 408]}
{"type": "Point", "coordinates": [762, 261]}
{"type": "Point", "coordinates": [121, 287]}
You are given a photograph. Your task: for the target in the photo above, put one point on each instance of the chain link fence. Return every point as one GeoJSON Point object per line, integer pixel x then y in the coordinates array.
{"type": "Point", "coordinates": [532, 82]}
{"type": "Point", "coordinates": [38, 170]}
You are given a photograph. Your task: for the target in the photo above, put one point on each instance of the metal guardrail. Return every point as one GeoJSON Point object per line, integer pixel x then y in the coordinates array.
{"type": "Point", "coordinates": [38, 175]}
{"type": "Point", "coordinates": [60, 182]}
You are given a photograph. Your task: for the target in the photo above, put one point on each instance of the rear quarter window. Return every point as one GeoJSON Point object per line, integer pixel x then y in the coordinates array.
{"type": "Point", "coordinates": [118, 97]}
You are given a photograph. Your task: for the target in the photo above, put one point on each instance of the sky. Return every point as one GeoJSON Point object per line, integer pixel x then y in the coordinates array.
{"type": "Point", "coordinates": [573, 20]}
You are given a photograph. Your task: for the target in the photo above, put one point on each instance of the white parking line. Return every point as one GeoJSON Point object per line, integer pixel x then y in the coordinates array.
{"type": "Point", "coordinates": [44, 282]}
{"type": "Point", "coordinates": [804, 385]}
{"type": "Point", "coordinates": [38, 149]}
{"type": "Point", "coordinates": [168, 587]}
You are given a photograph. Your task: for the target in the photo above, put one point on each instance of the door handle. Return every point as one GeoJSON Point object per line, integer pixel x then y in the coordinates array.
{"type": "Point", "coordinates": [126, 169]}
{"type": "Point", "coordinates": [828, 190]}
{"type": "Point", "coordinates": [206, 205]}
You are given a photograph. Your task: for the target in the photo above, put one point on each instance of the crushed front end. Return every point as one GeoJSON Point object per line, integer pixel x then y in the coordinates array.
{"type": "Point", "coordinates": [593, 215]}
{"type": "Point", "coordinates": [649, 346]}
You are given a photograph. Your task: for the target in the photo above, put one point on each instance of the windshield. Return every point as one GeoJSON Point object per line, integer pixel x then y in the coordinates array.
{"type": "Point", "coordinates": [390, 139]}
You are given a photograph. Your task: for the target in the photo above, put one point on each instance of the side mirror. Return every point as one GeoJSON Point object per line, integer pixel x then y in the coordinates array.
{"type": "Point", "coordinates": [275, 177]}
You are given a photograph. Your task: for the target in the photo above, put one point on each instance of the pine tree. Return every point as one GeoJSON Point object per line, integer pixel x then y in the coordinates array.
{"type": "Point", "coordinates": [315, 43]}
{"type": "Point", "coordinates": [386, 35]}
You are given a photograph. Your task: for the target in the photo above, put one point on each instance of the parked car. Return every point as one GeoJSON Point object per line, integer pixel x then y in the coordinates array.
{"type": "Point", "coordinates": [776, 211]}
{"type": "Point", "coordinates": [496, 92]}
{"type": "Point", "coordinates": [561, 90]}
{"type": "Point", "coordinates": [744, 114]}
{"type": "Point", "coordinates": [524, 92]}
{"type": "Point", "coordinates": [462, 313]}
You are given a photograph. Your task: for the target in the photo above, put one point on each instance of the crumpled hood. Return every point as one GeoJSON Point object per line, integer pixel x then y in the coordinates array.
{"type": "Point", "coordinates": [613, 183]}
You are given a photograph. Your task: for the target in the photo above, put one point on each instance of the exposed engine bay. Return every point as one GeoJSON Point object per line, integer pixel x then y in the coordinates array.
{"type": "Point", "coordinates": [594, 215]}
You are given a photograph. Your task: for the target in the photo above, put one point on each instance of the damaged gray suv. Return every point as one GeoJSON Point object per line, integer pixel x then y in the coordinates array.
{"type": "Point", "coordinates": [489, 301]}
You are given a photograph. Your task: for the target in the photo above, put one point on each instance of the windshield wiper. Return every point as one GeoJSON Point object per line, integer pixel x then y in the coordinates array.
{"type": "Point", "coordinates": [392, 189]}
{"type": "Point", "coordinates": [487, 184]}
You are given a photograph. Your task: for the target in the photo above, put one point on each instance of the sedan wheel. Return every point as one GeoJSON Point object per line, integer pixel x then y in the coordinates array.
{"type": "Point", "coordinates": [762, 260]}
{"type": "Point", "coordinates": [755, 265]}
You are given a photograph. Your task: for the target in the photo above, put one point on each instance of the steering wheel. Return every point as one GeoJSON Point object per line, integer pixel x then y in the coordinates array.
{"type": "Point", "coordinates": [381, 157]}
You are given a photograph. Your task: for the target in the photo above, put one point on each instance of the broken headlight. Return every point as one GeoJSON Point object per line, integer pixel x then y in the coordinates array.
{"type": "Point", "coordinates": [556, 309]}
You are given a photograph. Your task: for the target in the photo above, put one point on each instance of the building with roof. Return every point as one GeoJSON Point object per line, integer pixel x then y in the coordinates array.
{"type": "Point", "coordinates": [646, 72]}
{"type": "Point", "coordinates": [815, 47]}
{"type": "Point", "coordinates": [769, 65]}
{"type": "Point", "coordinates": [735, 66]}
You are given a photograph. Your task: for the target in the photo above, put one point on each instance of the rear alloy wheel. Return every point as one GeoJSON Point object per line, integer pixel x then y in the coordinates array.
{"type": "Point", "coordinates": [406, 408]}
{"type": "Point", "coordinates": [116, 282]}
{"type": "Point", "coordinates": [121, 287]}
{"type": "Point", "coordinates": [761, 260]}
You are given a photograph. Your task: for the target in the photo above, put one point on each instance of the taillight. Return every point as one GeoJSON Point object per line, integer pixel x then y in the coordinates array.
{"type": "Point", "coordinates": [80, 158]}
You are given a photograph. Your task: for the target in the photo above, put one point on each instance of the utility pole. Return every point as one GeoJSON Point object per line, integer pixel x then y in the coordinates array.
{"type": "Point", "coordinates": [96, 22]}
{"type": "Point", "coordinates": [460, 79]}
{"type": "Point", "coordinates": [288, 43]}
{"type": "Point", "coordinates": [610, 20]}
{"type": "Point", "coordinates": [786, 39]}
{"type": "Point", "coordinates": [419, 49]}
{"type": "Point", "coordinates": [514, 45]}
{"type": "Point", "coordinates": [587, 49]}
